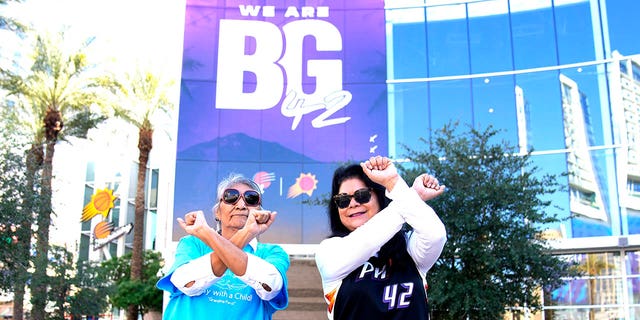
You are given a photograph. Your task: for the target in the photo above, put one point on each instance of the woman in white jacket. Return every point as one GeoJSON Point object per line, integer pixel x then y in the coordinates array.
{"type": "Point", "coordinates": [384, 240]}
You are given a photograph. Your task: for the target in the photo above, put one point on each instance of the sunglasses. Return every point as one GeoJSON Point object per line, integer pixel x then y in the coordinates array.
{"type": "Point", "coordinates": [361, 196]}
{"type": "Point", "coordinates": [251, 197]}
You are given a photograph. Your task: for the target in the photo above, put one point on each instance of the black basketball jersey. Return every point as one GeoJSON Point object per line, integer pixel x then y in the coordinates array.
{"type": "Point", "coordinates": [394, 291]}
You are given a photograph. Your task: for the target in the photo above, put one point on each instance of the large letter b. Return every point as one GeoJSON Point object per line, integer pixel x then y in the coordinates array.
{"type": "Point", "coordinates": [233, 62]}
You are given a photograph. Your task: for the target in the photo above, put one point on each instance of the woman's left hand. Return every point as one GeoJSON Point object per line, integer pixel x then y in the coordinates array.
{"type": "Point", "coordinates": [427, 187]}
{"type": "Point", "coordinates": [259, 221]}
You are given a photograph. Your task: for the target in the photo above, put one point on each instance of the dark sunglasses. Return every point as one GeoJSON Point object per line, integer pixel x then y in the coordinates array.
{"type": "Point", "coordinates": [361, 196]}
{"type": "Point", "coordinates": [251, 197]}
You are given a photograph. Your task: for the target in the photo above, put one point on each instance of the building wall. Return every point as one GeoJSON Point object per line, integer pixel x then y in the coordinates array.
{"type": "Point", "coordinates": [558, 77]}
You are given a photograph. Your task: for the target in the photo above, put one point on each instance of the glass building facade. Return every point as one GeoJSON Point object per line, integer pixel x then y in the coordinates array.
{"type": "Point", "coordinates": [559, 77]}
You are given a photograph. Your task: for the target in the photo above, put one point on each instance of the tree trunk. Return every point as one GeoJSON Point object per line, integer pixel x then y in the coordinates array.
{"type": "Point", "coordinates": [145, 143]}
{"type": "Point", "coordinates": [52, 126]}
{"type": "Point", "coordinates": [35, 159]}
{"type": "Point", "coordinates": [40, 278]}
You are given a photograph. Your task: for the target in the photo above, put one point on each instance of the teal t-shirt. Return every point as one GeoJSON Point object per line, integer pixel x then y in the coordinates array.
{"type": "Point", "coordinates": [229, 297]}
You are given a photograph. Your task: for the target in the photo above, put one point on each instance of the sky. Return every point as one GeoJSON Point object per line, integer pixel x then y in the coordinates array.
{"type": "Point", "coordinates": [129, 32]}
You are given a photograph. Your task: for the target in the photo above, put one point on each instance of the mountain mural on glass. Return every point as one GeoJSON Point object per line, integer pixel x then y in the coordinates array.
{"type": "Point", "coordinates": [241, 146]}
{"type": "Point", "coordinates": [286, 185]}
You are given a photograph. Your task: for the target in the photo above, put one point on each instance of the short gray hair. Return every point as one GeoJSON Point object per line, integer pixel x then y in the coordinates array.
{"type": "Point", "coordinates": [233, 179]}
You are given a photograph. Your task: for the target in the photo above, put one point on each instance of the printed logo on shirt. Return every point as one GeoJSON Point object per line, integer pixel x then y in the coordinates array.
{"type": "Point", "coordinates": [368, 271]}
{"type": "Point", "coordinates": [229, 291]}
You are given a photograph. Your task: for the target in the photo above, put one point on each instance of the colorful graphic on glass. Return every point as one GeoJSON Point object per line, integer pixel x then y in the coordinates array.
{"type": "Point", "coordinates": [280, 91]}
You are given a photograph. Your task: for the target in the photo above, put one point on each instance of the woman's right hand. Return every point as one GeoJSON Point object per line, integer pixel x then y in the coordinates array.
{"type": "Point", "coordinates": [194, 222]}
{"type": "Point", "coordinates": [382, 171]}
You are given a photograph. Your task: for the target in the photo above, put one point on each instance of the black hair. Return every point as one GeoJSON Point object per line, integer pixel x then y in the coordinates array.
{"type": "Point", "coordinates": [397, 245]}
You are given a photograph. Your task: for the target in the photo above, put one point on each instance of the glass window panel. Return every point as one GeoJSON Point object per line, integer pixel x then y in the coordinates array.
{"type": "Point", "coordinates": [283, 193]}
{"type": "Point", "coordinates": [633, 218]}
{"type": "Point", "coordinates": [585, 227]}
{"type": "Point", "coordinates": [600, 263]}
{"type": "Point", "coordinates": [633, 187]}
{"type": "Point", "coordinates": [450, 101]}
{"type": "Point", "coordinates": [542, 103]}
{"type": "Point", "coordinates": [410, 120]}
{"type": "Point", "coordinates": [128, 239]}
{"type": "Point", "coordinates": [634, 289]}
{"type": "Point", "coordinates": [370, 138]}
{"type": "Point", "coordinates": [634, 312]}
{"type": "Point", "coordinates": [88, 193]}
{"type": "Point", "coordinates": [84, 247]}
{"type": "Point", "coordinates": [600, 285]}
{"type": "Point", "coordinates": [607, 291]}
{"type": "Point", "coordinates": [623, 25]}
{"type": "Point", "coordinates": [115, 212]}
{"type": "Point", "coordinates": [575, 32]}
{"type": "Point", "coordinates": [635, 71]}
{"type": "Point", "coordinates": [404, 11]}
{"type": "Point", "coordinates": [490, 36]}
{"type": "Point", "coordinates": [408, 51]}
{"type": "Point", "coordinates": [585, 313]}
{"type": "Point", "coordinates": [314, 217]}
{"type": "Point", "coordinates": [150, 230]}
{"type": "Point", "coordinates": [494, 103]}
{"type": "Point", "coordinates": [113, 248]}
{"type": "Point", "coordinates": [584, 89]}
{"type": "Point", "coordinates": [534, 42]}
{"type": "Point", "coordinates": [245, 146]}
{"type": "Point", "coordinates": [447, 40]}
{"type": "Point", "coordinates": [591, 181]}
{"type": "Point", "coordinates": [153, 189]}
{"type": "Point", "coordinates": [274, 125]}
{"type": "Point", "coordinates": [195, 193]}
{"type": "Point", "coordinates": [571, 293]}
{"type": "Point", "coordinates": [555, 164]}
{"type": "Point", "coordinates": [91, 171]}
{"type": "Point", "coordinates": [133, 180]}
{"type": "Point", "coordinates": [195, 126]}
{"type": "Point", "coordinates": [588, 191]}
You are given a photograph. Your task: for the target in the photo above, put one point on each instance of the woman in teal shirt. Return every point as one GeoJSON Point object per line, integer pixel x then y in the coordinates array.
{"type": "Point", "coordinates": [226, 273]}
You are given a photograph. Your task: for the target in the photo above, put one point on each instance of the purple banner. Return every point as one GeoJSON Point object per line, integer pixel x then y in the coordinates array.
{"type": "Point", "coordinates": [280, 91]}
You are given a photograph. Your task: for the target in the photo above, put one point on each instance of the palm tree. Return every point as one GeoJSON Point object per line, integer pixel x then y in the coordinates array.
{"type": "Point", "coordinates": [57, 92]}
{"type": "Point", "coordinates": [144, 96]}
{"type": "Point", "coordinates": [10, 23]}
{"type": "Point", "coordinates": [593, 266]}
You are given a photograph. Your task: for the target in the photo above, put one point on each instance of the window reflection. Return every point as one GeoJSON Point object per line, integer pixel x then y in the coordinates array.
{"type": "Point", "coordinates": [493, 102]}
{"type": "Point", "coordinates": [576, 37]}
{"type": "Point", "coordinates": [490, 38]}
{"type": "Point", "coordinates": [599, 289]}
{"type": "Point", "coordinates": [447, 41]}
{"type": "Point", "coordinates": [409, 121]}
{"type": "Point", "coordinates": [542, 100]}
{"type": "Point", "coordinates": [560, 77]}
{"type": "Point", "coordinates": [450, 101]}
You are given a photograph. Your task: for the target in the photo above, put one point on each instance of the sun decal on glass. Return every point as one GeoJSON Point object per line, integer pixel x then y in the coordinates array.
{"type": "Point", "coordinates": [305, 183]}
{"type": "Point", "coordinates": [101, 203]}
{"type": "Point", "coordinates": [103, 229]}
{"type": "Point", "coordinates": [264, 179]}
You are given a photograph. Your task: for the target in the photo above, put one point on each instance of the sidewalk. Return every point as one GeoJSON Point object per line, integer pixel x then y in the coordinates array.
{"type": "Point", "coordinates": [305, 293]}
